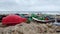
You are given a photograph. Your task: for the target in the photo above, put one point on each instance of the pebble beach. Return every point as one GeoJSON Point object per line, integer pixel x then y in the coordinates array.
{"type": "Point", "coordinates": [31, 28]}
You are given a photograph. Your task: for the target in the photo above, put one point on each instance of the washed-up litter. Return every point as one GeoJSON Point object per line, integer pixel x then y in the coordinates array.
{"type": "Point", "coordinates": [27, 28]}
{"type": "Point", "coordinates": [13, 20]}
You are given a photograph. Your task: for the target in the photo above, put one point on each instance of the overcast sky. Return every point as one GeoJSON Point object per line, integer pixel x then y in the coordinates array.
{"type": "Point", "coordinates": [47, 6]}
{"type": "Point", "coordinates": [29, 5]}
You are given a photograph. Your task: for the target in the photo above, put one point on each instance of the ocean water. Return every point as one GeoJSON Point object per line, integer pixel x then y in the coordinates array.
{"type": "Point", "coordinates": [30, 12]}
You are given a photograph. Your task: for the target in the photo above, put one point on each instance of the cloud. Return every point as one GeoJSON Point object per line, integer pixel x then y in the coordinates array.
{"type": "Point", "coordinates": [29, 5]}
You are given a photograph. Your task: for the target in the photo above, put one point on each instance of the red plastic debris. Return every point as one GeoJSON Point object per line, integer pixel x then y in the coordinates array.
{"type": "Point", "coordinates": [46, 18]}
{"type": "Point", "coordinates": [13, 20]}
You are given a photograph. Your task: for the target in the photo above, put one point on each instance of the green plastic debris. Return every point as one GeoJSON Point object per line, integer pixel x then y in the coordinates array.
{"type": "Point", "coordinates": [29, 20]}
{"type": "Point", "coordinates": [22, 15]}
{"type": "Point", "coordinates": [34, 15]}
{"type": "Point", "coordinates": [41, 18]}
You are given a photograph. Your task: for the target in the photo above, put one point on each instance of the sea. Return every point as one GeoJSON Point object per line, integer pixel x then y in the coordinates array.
{"type": "Point", "coordinates": [30, 12]}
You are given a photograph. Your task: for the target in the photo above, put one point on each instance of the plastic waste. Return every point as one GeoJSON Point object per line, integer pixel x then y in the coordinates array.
{"type": "Point", "coordinates": [34, 15]}
{"type": "Point", "coordinates": [29, 19]}
{"type": "Point", "coordinates": [56, 23]}
{"type": "Point", "coordinates": [22, 15]}
{"type": "Point", "coordinates": [13, 20]}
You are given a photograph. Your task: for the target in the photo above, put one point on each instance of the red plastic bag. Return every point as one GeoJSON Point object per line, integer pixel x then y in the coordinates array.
{"type": "Point", "coordinates": [13, 20]}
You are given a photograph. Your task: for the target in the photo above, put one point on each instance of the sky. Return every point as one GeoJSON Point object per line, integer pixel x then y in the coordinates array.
{"type": "Point", "coordinates": [30, 5]}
